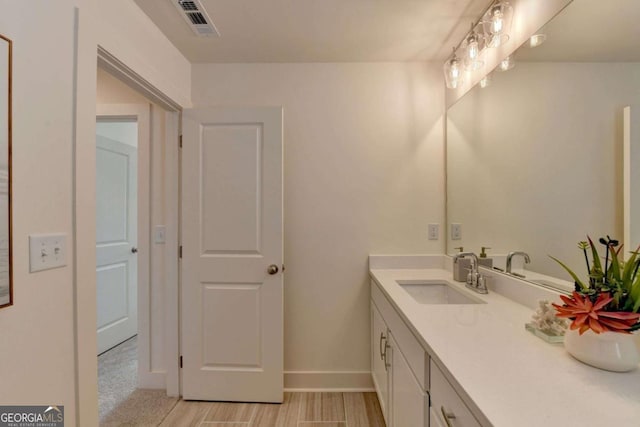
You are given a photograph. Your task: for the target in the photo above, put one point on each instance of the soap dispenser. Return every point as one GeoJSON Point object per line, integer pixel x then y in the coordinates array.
{"type": "Point", "coordinates": [461, 268]}
{"type": "Point", "coordinates": [483, 260]}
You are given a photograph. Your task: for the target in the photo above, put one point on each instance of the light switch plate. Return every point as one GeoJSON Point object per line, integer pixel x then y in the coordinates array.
{"type": "Point", "coordinates": [47, 251]}
{"type": "Point", "coordinates": [160, 234]}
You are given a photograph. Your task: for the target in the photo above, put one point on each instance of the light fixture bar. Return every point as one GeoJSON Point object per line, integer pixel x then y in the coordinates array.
{"type": "Point", "coordinates": [495, 26]}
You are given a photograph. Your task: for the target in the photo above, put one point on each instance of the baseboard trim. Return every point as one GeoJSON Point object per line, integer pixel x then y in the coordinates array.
{"type": "Point", "coordinates": [344, 381]}
{"type": "Point", "coordinates": [155, 380]}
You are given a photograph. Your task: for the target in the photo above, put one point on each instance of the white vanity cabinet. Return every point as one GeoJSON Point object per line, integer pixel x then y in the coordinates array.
{"type": "Point", "coordinates": [412, 390]}
{"type": "Point", "coordinates": [398, 364]}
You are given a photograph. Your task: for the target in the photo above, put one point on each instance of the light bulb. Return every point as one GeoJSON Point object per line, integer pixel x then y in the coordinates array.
{"type": "Point", "coordinates": [497, 21]}
{"type": "Point", "coordinates": [485, 81]}
{"type": "Point", "coordinates": [455, 69]}
{"type": "Point", "coordinates": [453, 73]}
{"type": "Point", "coordinates": [471, 61]}
{"type": "Point", "coordinates": [537, 39]}
{"type": "Point", "coordinates": [507, 63]}
{"type": "Point", "coordinates": [473, 48]}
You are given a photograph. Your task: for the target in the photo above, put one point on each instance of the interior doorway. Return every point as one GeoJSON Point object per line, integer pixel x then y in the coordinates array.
{"type": "Point", "coordinates": [124, 136]}
{"type": "Point", "coordinates": [157, 341]}
{"type": "Point", "coordinates": [116, 230]}
{"type": "Point", "coordinates": [116, 258]}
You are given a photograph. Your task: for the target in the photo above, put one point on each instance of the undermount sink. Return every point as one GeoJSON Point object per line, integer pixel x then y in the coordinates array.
{"type": "Point", "coordinates": [436, 292]}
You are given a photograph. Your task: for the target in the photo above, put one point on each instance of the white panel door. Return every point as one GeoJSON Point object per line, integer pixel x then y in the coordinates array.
{"type": "Point", "coordinates": [116, 239]}
{"type": "Point", "coordinates": [231, 310]}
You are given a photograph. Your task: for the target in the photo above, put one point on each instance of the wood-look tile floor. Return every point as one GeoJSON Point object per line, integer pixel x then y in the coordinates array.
{"type": "Point", "coordinates": [297, 410]}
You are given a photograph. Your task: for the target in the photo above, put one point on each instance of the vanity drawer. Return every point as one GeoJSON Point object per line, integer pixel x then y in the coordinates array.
{"type": "Point", "coordinates": [446, 402]}
{"type": "Point", "coordinates": [414, 353]}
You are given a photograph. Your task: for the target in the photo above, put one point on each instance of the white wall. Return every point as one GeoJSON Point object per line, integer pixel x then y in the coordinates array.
{"type": "Point", "coordinates": [363, 173]}
{"type": "Point", "coordinates": [535, 160]}
{"type": "Point", "coordinates": [47, 357]}
{"type": "Point", "coordinates": [632, 176]}
{"type": "Point", "coordinates": [110, 90]}
{"type": "Point", "coordinates": [128, 33]}
{"type": "Point", "coordinates": [37, 358]}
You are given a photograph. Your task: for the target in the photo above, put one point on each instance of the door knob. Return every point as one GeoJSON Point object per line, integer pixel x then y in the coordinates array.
{"type": "Point", "coordinates": [134, 250]}
{"type": "Point", "coordinates": [272, 269]}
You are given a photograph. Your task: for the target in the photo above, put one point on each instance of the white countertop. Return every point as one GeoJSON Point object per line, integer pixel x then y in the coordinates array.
{"type": "Point", "coordinates": [510, 377]}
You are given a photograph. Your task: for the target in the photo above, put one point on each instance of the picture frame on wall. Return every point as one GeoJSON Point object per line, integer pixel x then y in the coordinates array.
{"type": "Point", "coordinates": [6, 276]}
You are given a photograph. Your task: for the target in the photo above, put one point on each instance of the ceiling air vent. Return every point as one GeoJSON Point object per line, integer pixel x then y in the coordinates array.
{"type": "Point", "coordinates": [196, 17]}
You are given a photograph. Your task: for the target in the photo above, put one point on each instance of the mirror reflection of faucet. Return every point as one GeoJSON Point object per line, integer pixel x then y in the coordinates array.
{"type": "Point", "coordinates": [510, 256]}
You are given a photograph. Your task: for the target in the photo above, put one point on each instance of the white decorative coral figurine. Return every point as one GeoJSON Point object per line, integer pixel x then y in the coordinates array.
{"type": "Point", "coordinates": [545, 320]}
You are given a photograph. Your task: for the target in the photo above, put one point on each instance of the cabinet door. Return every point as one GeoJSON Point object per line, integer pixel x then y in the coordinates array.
{"type": "Point", "coordinates": [410, 404]}
{"type": "Point", "coordinates": [379, 370]}
{"type": "Point", "coordinates": [447, 405]}
{"type": "Point", "coordinates": [434, 419]}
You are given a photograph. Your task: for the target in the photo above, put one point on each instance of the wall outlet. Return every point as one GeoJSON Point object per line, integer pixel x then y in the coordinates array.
{"type": "Point", "coordinates": [434, 231]}
{"type": "Point", "coordinates": [47, 251]}
{"type": "Point", "coordinates": [456, 231]}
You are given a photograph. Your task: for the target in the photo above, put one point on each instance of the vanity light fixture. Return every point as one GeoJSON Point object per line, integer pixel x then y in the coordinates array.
{"type": "Point", "coordinates": [507, 63]}
{"type": "Point", "coordinates": [537, 39]}
{"type": "Point", "coordinates": [473, 47]}
{"type": "Point", "coordinates": [491, 30]}
{"type": "Point", "coordinates": [497, 23]}
{"type": "Point", "coordinates": [453, 73]}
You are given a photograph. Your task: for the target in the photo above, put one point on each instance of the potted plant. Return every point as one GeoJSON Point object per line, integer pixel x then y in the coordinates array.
{"type": "Point", "coordinates": [604, 310]}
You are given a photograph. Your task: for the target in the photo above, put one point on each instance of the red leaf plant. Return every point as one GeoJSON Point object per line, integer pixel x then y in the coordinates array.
{"type": "Point", "coordinates": [591, 315]}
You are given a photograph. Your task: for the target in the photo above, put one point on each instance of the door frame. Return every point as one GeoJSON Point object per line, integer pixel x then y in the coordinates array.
{"type": "Point", "coordinates": [172, 111]}
{"type": "Point", "coordinates": [140, 113]}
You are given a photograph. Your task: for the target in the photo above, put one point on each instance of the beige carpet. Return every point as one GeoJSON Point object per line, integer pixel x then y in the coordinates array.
{"type": "Point", "coordinates": [120, 403]}
{"type": "Point", "coordinates": [141, 408]}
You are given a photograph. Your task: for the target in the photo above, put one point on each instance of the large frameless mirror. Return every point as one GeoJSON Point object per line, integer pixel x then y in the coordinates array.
{"type": "Point", "coordinates": [535, 159]}
{"type": "Point", "coordinates": [6, 289]}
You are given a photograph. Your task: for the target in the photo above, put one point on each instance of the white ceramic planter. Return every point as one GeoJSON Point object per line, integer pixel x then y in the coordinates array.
{"type": "Point", "coordinates": [610, 351]}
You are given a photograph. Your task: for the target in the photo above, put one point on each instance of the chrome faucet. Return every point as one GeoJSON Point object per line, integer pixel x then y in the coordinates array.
{"type": "Point", "coordinates": [527, 260]}
{"type": "Point", "coordinates": [475, 280]}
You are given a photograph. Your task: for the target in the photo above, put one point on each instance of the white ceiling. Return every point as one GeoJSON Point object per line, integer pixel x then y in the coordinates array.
{"type": "Point", "coordinates": [320, 30]}
{"type": "Point", "coordinates": [591, 31]}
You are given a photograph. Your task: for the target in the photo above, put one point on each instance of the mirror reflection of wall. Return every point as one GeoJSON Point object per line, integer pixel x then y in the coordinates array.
{"type": "Point", "coordinates": [5, 140]}
{"type": "Point", "coordinates": [632, 176]}
{"type": "Point", "coordinates": [534, 161]}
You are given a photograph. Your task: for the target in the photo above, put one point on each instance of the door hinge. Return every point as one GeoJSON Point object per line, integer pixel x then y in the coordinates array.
{"type": "Point", "coordinates": [180, 252]}
{"type": "Point", "coordinates": [181, 361]}
{"type": "Point", "coordinates": [180, 141]}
